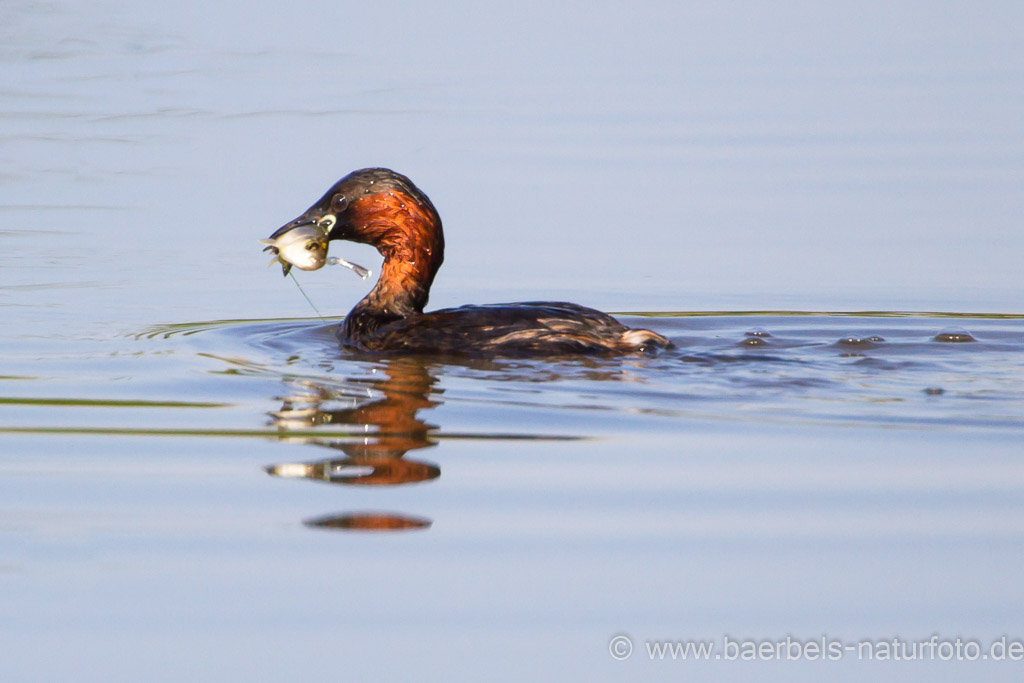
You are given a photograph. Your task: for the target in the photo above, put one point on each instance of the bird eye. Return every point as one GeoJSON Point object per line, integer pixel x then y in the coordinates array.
{"type": "Point", "coordinates": [339, 203]}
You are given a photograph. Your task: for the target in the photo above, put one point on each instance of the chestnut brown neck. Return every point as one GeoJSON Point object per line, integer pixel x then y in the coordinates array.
{"type": "Point", "coordinates": [408, 234]}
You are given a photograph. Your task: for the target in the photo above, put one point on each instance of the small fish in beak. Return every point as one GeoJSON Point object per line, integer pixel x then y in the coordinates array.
{"type": "Point", "coordinates": [304, 247]}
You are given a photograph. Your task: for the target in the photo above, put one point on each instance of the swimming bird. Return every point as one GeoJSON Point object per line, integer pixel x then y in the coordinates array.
{"type": "Point", "coordinates": [382, 208]}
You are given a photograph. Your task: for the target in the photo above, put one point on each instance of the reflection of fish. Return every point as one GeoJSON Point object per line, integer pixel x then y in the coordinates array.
{"type": "Point", "coordinates": [304, 247]}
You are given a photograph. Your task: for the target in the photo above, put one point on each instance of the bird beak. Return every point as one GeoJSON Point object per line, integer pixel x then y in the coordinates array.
{"type": "Point", "coordinates": [297, 223]}
{"type": "Point", "coordinates": [325, 222]}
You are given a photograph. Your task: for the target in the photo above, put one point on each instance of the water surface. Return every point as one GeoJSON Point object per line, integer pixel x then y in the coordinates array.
{"type": "Point", "coordinates": [249, 483]}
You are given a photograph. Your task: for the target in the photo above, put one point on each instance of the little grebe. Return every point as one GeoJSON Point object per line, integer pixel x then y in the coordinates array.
{"type": "Point", "coordinates": [382, 208]}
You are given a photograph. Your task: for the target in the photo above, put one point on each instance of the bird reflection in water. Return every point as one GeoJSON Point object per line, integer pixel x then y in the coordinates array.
{"type": "Point", "coordinates": [388, 427]}
{"type": "Point", "coordinates": [377, 459]}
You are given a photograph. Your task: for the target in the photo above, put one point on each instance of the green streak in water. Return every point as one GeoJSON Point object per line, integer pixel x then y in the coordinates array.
{"type": "Point", "coordinates": [189, 328]}
{"type": "Point", "coordinates": [106, 403]}
{"type": "Point", "coordinates": [837, 314]}
{"type": "Point", "coordinates": [278, 434]}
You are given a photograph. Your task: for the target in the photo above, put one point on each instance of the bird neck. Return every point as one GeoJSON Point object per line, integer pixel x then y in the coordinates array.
{"type": "Point", "coordinates": [407, 232]}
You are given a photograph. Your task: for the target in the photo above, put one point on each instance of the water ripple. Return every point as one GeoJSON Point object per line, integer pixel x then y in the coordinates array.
{"type": "Point", "coordinates": [878, 368]}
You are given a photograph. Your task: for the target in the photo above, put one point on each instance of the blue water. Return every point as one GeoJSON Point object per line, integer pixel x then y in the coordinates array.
{"type": "Point", "coordinates": [815, 202]}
